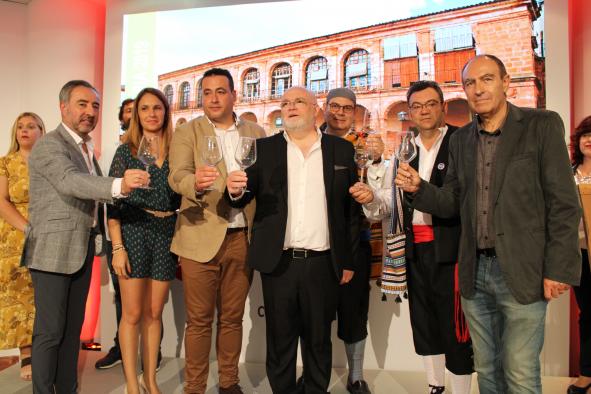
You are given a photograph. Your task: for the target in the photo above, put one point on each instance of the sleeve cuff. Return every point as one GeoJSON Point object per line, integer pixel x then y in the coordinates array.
{"type": "Point", "coordinates": [116, 189]}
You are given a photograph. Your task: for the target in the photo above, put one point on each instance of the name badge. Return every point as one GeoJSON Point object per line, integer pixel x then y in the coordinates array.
{"type": "Point", "coordinates": [440, 166]}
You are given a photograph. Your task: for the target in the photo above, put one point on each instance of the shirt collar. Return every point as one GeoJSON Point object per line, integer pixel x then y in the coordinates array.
{"type": "Point", "coordinates": [78, 140]}
{"type": "Point", "coordinates": [442, 132]}
{"type": "Point", "coordinates": [289, 141]}
{"type": "Point", "coordinates": [496, 132]}
{"type": "Point", "coordinates": [233, 127]}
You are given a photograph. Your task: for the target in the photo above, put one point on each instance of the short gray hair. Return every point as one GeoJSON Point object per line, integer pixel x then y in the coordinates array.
{"type": "Point", "coordinates": [69, 86]}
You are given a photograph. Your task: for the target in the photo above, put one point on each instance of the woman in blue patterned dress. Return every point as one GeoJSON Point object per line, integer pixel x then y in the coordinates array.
{"type": "Point", "coordinates": [141, 228]}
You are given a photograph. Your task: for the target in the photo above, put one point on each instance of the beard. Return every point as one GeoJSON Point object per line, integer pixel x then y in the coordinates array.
{"type": "Point", "coordinates": [299, 124]}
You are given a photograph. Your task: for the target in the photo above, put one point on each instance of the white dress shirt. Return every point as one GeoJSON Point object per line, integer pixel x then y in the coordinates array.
{"type": "Point", "coordinates": [426, 162]}
{"type": "Point", "coordinates": [307, 212]}
{"type": "Point", "coordinates": [89, 159]}
{"type": "Point", "coordinates": [229, 142]}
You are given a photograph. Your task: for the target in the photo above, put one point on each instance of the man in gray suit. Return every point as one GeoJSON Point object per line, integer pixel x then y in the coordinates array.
{"type": "Point", "coordinates": [66, 188]}
{"type": "Point", "coordinates": [510, 180]}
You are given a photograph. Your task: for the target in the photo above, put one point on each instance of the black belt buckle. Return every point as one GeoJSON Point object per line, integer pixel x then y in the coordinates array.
{"type": "Point", "coordinates": [299, 253]}
{"type": "Point", "coordinates": [488, 252]}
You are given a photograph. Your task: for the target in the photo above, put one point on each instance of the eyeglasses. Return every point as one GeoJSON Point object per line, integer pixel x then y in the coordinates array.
{"type": "Point", "coordinates": [334, 107]}
{"type": "Point", "coordinates": [429, 105]}
{"type": "Point", "coordinates": [299, 102]}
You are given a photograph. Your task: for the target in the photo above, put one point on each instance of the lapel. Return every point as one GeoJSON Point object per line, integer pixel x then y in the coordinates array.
{"type": "Point", "coordinates": [468, 155]}
{"type": "Point", "coordinates": [441, 158]}
{"type": "Point", "coordinates": [207, 130]}
{"type": "Point", "coordinates": [282, 166]}
{"type": "Point", "coordinates": [327, 147]}
{"type": "Point", "coordinates": [97, 168]}
{"type": "Point", "coordinates": [74, 148]}
{"type": "Point", "coordinates": [510, 136]}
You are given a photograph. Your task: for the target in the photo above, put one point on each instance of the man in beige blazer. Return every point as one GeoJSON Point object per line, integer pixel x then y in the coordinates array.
{"type": "Point", "coordinates": [211, 237]}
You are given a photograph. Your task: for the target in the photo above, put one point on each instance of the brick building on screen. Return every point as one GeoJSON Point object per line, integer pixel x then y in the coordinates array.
{"type": "Point", "coordinates": [379, 63]}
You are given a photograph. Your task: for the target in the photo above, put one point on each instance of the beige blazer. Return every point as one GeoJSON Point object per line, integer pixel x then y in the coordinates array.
{"type": "Point", "coordinates": [203, 220]}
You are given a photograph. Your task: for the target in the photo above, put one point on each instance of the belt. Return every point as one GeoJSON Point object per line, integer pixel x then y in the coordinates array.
{"type": "Point", "coordinates": [232, 230]}
{"type": "Point", "coordinates": [305, 253]}
{"type": "Point", "coordinates": [488, 252]}
{"type": "Point", "coordinates": [160, 214]}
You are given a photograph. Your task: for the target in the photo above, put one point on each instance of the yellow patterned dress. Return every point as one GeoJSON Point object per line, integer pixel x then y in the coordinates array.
{"type": "Point", "coordinates": [17, 308]}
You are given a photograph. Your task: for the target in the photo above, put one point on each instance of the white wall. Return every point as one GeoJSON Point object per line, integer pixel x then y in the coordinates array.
{"type": "Point", "coordinates": [12, 47]}
{"type": "Point", "coordinates": [48, 43]}
{"type": "Point", "coordinates": [582, 63]}
{"type": "Point", "coordinates": [555, 355]}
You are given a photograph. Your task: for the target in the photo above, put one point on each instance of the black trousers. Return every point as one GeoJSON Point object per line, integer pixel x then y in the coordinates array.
{"type": "Point", "coordinates": [354, 299]}
{"type": "Point", "coordinates": [301, 298]}
{"type": "Point", "coordinates": [431, 304]}
{"type": "Point", "coordinates": [60, 302]}
{"type": "Point", "coordinates": [583, 296]}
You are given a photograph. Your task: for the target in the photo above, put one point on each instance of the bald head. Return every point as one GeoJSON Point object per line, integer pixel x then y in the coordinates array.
{"type": "Point", "coordinates": [479, 58]}
{"type": "Point", "coordinates": [301, 92]}
{"type": "Point", "coordinates": [298, 109]}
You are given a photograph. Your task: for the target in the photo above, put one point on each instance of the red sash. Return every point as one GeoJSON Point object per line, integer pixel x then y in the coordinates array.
{"type": "Point", "coordinates": [422, 233]}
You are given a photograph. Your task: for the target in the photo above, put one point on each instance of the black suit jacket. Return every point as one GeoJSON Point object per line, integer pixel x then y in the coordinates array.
{"type": "Point", "coordinates": [536, 208]}
{"type": "Point", "coordinates": [267, 182]}
{"type": "Point", "coordinates": [446, 230]}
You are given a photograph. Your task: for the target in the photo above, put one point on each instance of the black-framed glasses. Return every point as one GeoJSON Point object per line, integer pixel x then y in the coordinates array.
{"type": "Point", "coordinates": [334, 107]}
{"type": "Point", "coordinates": [429, 105]}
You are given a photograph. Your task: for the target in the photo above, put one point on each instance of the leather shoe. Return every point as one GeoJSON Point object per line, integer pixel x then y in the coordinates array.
{"type": "Point", "coordinates": [572, 389]}
{"type": "Point", "coordinates": [234, 389]}
{"type": "Point", "coordinates": [358, 387]}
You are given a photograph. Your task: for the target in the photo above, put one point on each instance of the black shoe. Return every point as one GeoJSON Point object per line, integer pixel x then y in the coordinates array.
{"type": "Point", "coordinates": [359, 387]}
{"type": "Point", "coordinates": [436, 389]}
{"type": "Point", "coordinates": [572, 389]}
{"type": "Point", "coordinates": [112, 358]}
{"type": "Point", "coordinates": [234, 389]}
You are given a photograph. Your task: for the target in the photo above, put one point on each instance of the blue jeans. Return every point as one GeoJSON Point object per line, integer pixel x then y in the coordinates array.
{"type": "Point", "coordinates": [507, 336]}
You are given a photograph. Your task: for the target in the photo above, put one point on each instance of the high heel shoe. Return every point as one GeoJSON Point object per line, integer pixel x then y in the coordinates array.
{"type": "Point", "coordinates": [572, 389]}
{"type": "Point", "coordinates": [142, 383]}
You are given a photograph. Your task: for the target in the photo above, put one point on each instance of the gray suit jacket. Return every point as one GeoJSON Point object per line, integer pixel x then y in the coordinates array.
{"type": "Point", "coordinates": [62, 196]}
{"type": "Point", "coordinates": [536, 208]}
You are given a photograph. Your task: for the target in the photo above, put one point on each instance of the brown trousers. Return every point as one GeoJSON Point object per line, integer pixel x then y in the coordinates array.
{"type": "Point", "coordinates": [221, 283]}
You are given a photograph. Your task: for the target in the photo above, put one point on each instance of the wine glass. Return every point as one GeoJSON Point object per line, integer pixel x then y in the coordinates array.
{"type": "Point", "coordinates": [370, 132]}
{"type": "Point", "coordinates": [246, 153]}
{"type": "Point", "coordinates": [406, 148]}
{"type": "Point", "coordinates": [211, 152]}
{"type": "Point", "coordinates": [147, 153]}
{"type": "Point", "coordinates": [362, 160]}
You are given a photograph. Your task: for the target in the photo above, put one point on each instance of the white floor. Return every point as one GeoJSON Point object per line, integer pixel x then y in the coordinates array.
{"type": "Point", "coordinates": [252, 379]}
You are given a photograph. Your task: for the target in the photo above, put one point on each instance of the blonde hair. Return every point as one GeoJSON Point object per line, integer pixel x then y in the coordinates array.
{"type": "Point", "coordinates": [14, 146]}
{"type": "Point", "coordinates": [134, 135]}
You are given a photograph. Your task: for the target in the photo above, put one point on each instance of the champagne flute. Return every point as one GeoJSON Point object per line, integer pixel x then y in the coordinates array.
{"type": "Point", "coordinates": [147, 153]}
{"type": "Point", "coordinates": [407, 147]}
{"type": "Point", "coordinates": [362, 160]}
{"type": "Point", "coordinates": [211, 152]}
{"type": "Point", "coordinates": [246, 154]}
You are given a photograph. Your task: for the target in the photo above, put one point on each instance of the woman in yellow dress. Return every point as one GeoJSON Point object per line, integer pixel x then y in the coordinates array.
{"type": "Point", "coordinates": [17, 310]}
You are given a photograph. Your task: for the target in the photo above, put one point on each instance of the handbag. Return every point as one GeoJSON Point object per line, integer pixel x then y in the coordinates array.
{"type": "Point", "coordinates": [393, 279]}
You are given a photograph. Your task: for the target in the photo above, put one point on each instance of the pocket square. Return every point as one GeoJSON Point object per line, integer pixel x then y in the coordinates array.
{"type": "Point", "coordinates": [338, 167]}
